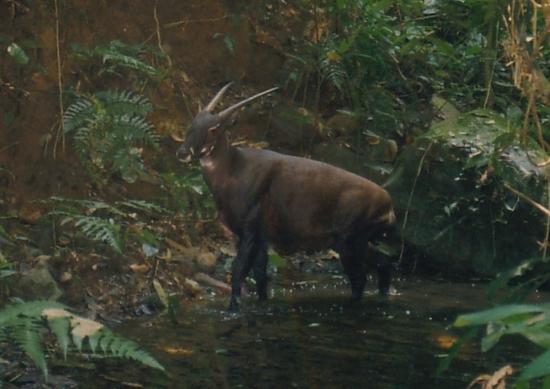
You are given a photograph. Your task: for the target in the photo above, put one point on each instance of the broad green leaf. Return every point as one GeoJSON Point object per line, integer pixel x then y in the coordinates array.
{"type": "Point", "coordinates": [540, 336]}
{"type": "Point", "coordinates": [538, 368]}
{"type": "Point", "coordinates": [453, 352]}
{"type": "Point", "coordinates": [276, 260]}
{"type": "Point", "coordinates": [494, 314]}
{"type": "Point", "coordinates": [18, 54]}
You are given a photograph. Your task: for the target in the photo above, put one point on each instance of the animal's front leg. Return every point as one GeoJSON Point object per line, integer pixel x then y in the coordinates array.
{"type": "Point", "coordinates": [241, 267]}
{"type": "Point", "coordinates": [250, 243]}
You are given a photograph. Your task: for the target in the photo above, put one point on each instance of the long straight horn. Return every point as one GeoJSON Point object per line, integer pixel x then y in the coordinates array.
{"type": "Point", "coordinates": [212, 104]}
{"type": "Point", "coordinates": [228, 111]}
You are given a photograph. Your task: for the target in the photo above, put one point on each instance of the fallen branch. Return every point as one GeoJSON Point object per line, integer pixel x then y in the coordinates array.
{"type": "Point", "coordinates": [205, 279]}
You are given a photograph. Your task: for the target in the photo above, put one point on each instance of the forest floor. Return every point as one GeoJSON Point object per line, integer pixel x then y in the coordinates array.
{"type": "Point", "coordinates": [204, 44]}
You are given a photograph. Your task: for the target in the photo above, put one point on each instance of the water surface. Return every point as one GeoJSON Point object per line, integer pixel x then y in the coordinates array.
{"type": "Point", "coordinates": [308, 336]}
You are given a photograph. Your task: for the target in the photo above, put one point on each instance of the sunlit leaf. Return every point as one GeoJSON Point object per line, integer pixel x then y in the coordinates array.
{"type": "Point", "coordinates": [161, 293]}
{"type": "Point", "coordinates": [497, 313]}
{"type": "Point", "coordinates": [275, 260]}
{"type": "Point", "coordinates": [18, 54]}
{"type": "Point", "coordinates": [538, 368]}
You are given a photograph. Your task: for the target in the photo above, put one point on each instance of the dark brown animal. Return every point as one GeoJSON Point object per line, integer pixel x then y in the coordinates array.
{"type": "Point", "coordinates": [293, 203]}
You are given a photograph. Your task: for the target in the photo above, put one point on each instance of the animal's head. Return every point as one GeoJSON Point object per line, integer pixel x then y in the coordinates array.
{"type": "Point", "coordinates": [207, 126]}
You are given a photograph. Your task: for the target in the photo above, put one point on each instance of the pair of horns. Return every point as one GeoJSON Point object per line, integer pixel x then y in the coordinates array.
{"type": "Point", "coordinates": [212, 104]}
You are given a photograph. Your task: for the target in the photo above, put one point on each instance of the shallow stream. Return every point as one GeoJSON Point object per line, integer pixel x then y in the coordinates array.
{"type": "Point", "coordinates": [308, 336]}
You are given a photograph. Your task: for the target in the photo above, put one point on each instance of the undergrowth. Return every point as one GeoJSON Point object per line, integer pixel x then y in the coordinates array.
{"type": "Point", "coordinates": [109, 131]}
{"type": "Point", "coordinates": [26, 324]}
{"type": "Point", "coordinates": [111, 224]}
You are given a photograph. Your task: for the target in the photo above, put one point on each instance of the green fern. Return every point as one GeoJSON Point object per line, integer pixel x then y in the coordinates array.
{"type": "Point", "coordinates": [25, 323]}
{"type": "Point", "coordinates": [105, 223]}
{"type": "Point", "coordinates": [108, 130]}
{"type": "Point", "coordinates": [5, 237]}
{"type": "Point", "coordinates": [117, 55]}
{"type": "Point", "coordinates": [142, 206]}
{"type": "Point", "coordinates": [96, 229]}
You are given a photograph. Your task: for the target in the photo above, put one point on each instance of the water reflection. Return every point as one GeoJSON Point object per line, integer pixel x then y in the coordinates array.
{"type": "Point", "coordinates": [312, 338]}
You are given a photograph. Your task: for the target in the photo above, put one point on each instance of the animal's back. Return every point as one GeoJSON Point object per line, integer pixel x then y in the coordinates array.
{"type": "Point", "coordinates": [308, 204]}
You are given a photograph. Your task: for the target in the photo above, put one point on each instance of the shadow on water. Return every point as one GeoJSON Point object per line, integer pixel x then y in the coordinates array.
{"type": "Point", "coordinates": [312, 338]}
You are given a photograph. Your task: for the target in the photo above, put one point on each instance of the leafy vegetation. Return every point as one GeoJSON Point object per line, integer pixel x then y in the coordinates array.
{"type": "Point", "coordinates": [383, 60]}
{"type": "Point", "coordinates": [18, 54]}
{"type": "Point", "coordinates": [112, 225]}
{"type": "Point", "coordinates": [512, 316]}
{"type": "Point", "coordinates": [116, 56]}
{"type": "Point", "coordinates": [23, 324]}
{"type": "Point", "coordinates": [109, 130]}
{"type": "Point", "coordinates": [188, 194]}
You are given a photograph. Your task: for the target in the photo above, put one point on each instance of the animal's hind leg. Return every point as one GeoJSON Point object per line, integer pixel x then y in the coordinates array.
{"type": "Point", "coordinates": [260, 268]}
{"type": "Point", "coordinates": [351, 253]}
{"type": "Point", "coordinates": [384, 277]}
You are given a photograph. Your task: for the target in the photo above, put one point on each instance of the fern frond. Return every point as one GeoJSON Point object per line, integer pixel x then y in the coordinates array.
{"type": "Point", "coordinates": [60, 327]}
{"type": "Point", "coordinates": [135, 129]}
{"type": "Point", "coordinates": [65, 206]}
{"type": "Point", "coordinates": [5, 237]}
{"type": "Point", "coordinates": [95, 228]}
{"type": "Point", "coordinates": [78, 114]}
{"type": "Point", "coordinates": [124, 103]}
{"type": "Point", "coordinates": [335, 73]}
{"type": "Point", "coordinates": [28, 337]}
{"type": "Point", "coordinates": [10, 314]}
{"type": "Point", "coordinates": [25, 323]}
{"type": "Point", "coordinates": [142, 206]}
{"type": "Point", "coordinates": [106, 125]}
{"type": "Point", "coordinates": [129, 62]}
{"type": "Point", "coordinates": [114, 345]}
{"type": "Point", "coordinates": [128, 163]}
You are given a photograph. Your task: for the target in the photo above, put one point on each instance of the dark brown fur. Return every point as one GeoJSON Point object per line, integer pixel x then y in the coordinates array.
{"type": "Point", "coordinates": [294, 203]}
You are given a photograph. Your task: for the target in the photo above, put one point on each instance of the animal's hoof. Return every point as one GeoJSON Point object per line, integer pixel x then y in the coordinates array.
{"type": "Point", "coordinates": [384, 292]}
{"type": "Point", "coordinates": [233, 306]}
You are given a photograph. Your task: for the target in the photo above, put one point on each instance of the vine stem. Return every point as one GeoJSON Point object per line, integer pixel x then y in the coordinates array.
{"type": "Point", "coordinates": [547, 234]}
{"type": "Point", "coordinates": [60, 135]}
{"type": "Point", "coordinates": [529, 200]}
{"type": "Point", "coordinates": [159, 39]}
{"type": "Point", "coordinates": [409, 202]}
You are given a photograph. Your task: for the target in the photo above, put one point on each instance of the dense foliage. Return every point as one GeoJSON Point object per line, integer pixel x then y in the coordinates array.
{"type": "Point", "coordinates": [386, 61]}
{"type": "Point", "coordinates": [23, 325]}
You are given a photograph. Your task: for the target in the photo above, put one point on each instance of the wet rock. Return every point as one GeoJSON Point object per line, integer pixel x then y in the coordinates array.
{"type": "Point", "coordinates": [292, 128]}
{"type": "Point", "coordinates": [206, 261]}
{"type": "Point", "coordinates": [37, 284]}
{"type": "Point", "coordinates": [65, 277]}
{"type": "Point", "coordinates": [30, 212]}
{"type": "Point", "coordinates": [342, 156]}
{"type": "Point", "coordinates": [380, 149]}
{"type": "Point", "coordinates": [459, 214]}
{"type": "Point", "coordinates": [344, 123]}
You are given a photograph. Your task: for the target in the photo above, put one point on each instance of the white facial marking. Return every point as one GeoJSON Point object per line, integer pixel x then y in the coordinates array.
{"type": "Point", "coordinates": [207, 163]}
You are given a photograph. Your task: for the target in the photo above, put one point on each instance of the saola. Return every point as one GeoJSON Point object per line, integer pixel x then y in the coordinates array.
{"type": "Point", "coordinates": [293, 203]}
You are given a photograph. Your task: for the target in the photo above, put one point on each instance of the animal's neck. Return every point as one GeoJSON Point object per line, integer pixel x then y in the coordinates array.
{"type": "Point", "coordinates": [219, 161]}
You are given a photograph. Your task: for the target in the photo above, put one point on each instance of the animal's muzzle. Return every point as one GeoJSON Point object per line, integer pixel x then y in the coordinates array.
{"type": "Point", "coordinates": [185, 155]}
